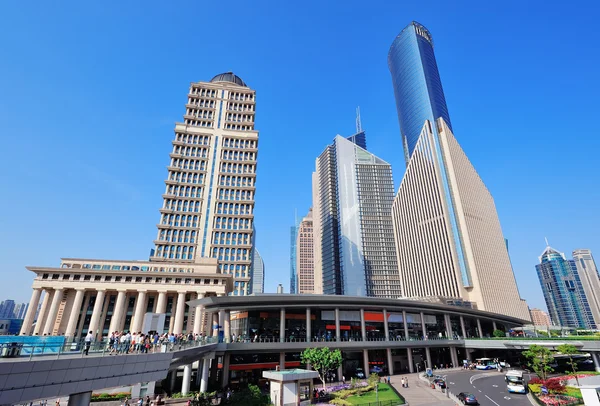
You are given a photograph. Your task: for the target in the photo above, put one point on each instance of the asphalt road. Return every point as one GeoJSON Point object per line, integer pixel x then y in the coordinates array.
{"type": "Point", "coordinates": [489, 388]}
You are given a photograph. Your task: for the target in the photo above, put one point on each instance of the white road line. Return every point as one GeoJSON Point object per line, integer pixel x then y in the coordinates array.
{"type": "Point", "coordinates": [479, 390]}
{"type": "Point", "coordinates": [492, 400]}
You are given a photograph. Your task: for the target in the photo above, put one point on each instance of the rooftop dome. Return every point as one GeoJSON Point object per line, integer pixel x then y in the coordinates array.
{"type": "Point", "coordinates": [229, 77]}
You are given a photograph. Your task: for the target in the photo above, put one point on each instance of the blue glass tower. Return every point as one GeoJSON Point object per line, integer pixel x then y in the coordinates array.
{"type": "Point", "coordinates": [417, 84]}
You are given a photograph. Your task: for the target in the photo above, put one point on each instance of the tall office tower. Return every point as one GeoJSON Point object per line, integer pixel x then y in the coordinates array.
{"type": "Point", "coordinates": [305, 261]}
{"type": "Point", "coordinates": [293, 273]}
{"type": "Point", "coordinates": [590, 280]}
{"type": "Point", "coordinates": [563, 291]}
{"type": "Point", "coordinates": [540, 318]}
{"type": "Point", "coordinates": [317, 249]}
{"type": "Point", "coordinates": [258, 273]}
{"type": "Point", "coordinates": [353, 192]}
{"type": "Point", "coordinates": [7, 308]}
{"type": "Point", "coordinates": [448, 235]}
{"type": "Point", "coordinates": [20, 310]}
{"type": "Point", "coordinates": [209, 198]}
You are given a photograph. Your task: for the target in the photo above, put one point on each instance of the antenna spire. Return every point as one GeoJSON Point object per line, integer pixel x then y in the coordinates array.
{"type": "Point", "coordinates": [547, 244]}
{"type": "Point", "coordinates": [358, 123]}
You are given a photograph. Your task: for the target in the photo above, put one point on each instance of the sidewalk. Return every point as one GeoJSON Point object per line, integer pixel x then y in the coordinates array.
{"type": "Point", "coordinates": [419, 393]}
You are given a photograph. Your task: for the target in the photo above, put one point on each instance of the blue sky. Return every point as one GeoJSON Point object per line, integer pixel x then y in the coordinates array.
{"type": "Point", "coordinates": [89, 94]}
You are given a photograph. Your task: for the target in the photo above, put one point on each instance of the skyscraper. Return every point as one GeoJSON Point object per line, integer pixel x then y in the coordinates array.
{"type": "Point", "coordinates": [353, 194]}
{"type": "Point", "coordinates": [590, 280]}
{"type": "Point", "coordinates": [258, 273]}
{"type": "Point", "coordinates": [448, 235]}
{"type": "Point", "coordinates": [540, 318]}
{"type": "Point", "coordinates": [563, 291]}
{"type": "Point", "coordinates": [305, 262]}
{"type": "Point", "coordinates": [293, 273]}
{"type": "Point", "coordinates": [209, 198]}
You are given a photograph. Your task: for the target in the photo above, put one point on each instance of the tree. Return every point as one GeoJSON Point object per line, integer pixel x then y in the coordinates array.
{"type": "Point", "coordinates": [322, 360]}
{"type": "Point", "coordinates": [539, 359]}
{"type": "Point", "coordinates": [570, 350]}
{"type": "Point", "coordinates": [499, 333]}
{"type": "Point", "coordinates": [250, 396]}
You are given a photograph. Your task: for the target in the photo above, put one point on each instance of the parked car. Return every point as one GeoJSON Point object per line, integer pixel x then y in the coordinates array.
{"type": "Point", "coordinates": [467, 398]}
{"type": "Point", "coordinates": [440, 382]}
{"type": "Point", "coordinates": [375, 369]}
{"type": "Point", "coordinates": [359, 373]}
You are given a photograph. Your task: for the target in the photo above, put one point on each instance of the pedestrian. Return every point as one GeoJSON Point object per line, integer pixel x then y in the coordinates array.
{"type": "Point", "coordinates": [406, 381]}
{"type": "Point", "coordinates": [141, 402]}
{"type": "Point", "coordinates": [147, 400]}
{"type": "Point", "coordinates": [88, 342]}
{"type": "Point", "coordinates": [402, 382]}
{"type": "Point", "coordinates": [57, 403]}
{"type": "Point", "coordinates": [389, 380]}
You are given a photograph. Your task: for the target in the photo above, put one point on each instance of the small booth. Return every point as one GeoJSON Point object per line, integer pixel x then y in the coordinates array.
{"type": "Point", "coordinates": [291, 387]}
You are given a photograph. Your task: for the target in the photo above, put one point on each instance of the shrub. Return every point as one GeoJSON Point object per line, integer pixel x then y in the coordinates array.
{"type": "Point", "coordinates": [340, 402]}
{"type": "Point", "coordinates": [373, 379]}
{"type": "Point", "coordinates": [499, 333]}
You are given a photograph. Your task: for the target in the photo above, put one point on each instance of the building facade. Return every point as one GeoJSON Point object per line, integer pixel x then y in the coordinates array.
{"type": "Point", "coordinates": [20, 310]}
{"type": "Point", "coordinates": [258, 273]}
{"type": "Point", "coordinates": [7, 309]}
{"type": "Point", "coordinates": [563, 291]}
{"type": "Point", "coordinates": [448, 235]}
{"type": "Point", "coordinates": [293, 271]}
{"type": "Point", "coordinates": [540, 318]}
{"type": "Point", "coordinates": [354, 193]}
{"type": "Point", "coordinates": [208, 207]}
{"type": "Point", "coordinates": [590, 280]}
{"type": "Point", "coordinates": [305, 263]}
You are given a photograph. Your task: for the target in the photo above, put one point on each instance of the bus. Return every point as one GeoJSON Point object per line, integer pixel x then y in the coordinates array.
{"type": "Point", "coordinates": [514, 382]}
{"type": "Point", "coordinates": [485, 363]}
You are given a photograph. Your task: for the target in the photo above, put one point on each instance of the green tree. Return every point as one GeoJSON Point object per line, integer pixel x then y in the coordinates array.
{"type": "Point", "coordinates": [250, 396]}
{"type": "Point", "coordinates": [570, 350]}
{"type": "Point", "coordinates": [539, 359]}
{"type": "Point", "coordinates": [322, 360]}
{"type": "Point", "coordinates": [499, 333]}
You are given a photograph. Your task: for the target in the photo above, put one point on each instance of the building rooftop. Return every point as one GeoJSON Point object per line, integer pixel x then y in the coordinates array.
{"type": "Point", "coordinates": [229, 77]}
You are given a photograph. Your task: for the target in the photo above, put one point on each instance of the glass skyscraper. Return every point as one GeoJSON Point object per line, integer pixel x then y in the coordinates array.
{"type": "Point", "coordinates": [563, 292]}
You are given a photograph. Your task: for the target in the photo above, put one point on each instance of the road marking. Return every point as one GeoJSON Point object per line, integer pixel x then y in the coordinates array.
{"type": "Point", "coordinates": [492, 400]}
{"type": "Point", "coordinates": [479, 390]}
{"type": "Point", "coordinates": [507, 397]}
{"type": "Point", "coordinates": [451, 383]}
{"type": "Point", "coordinates": [495, 386]}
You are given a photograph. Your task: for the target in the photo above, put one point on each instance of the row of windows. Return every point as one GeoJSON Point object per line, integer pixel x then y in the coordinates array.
{"type": "Point", "coordinates": [193, 164]}
{"type": "Point", "coordinates": [203, 92]}
{"type": "Point", "coordinates": [240, 118]}
{"type": "Point", "coordinates": [231, 238]}
{"type": "Point", "coordinates": [231, 194]}
{"type": "Point", "coordinates": [177, 235]}
{"type": "Point", "coordinates": [179, 220]}
{"type": "Point", "coordinates": [241, 96]}
{"type": "Point", "coordinates": [238, 156]}
{"type": "Point", "coordinates": [236, 181]}
{"type": "Point", "coordinates": [183, 205]}
{"type": "Point", "coordinates": [137, 279]}
{"type": "Point", "coordinates": [231, 208]}
{"type": "Point", "coordinates": [237, 143]}
{"type": "Point", "coordinates": [233, 254]}
{"type": "Point", "coordinates": [240, 106]}
{"type": "Point", "coordinates": [106, 267]}
{"type": "Point", "coordinates": [175, 252]}
{"type": "Point", "coordinates": [232, 224]}
{"type": "Point", "coordinates": [186, 177]}
{"type": "Point", "coordinates": [236, 168]}
{"type": "Point", "coordinates": [198, 123]}
{"type": "Point", "coordinates": [198, 113]}
{"type": "Point", "coordinates": [190, 151]}
{"type": "Point", "coordinates": [201, 102]}
{"type": "Point", "coordinates": [238, 127]}
{"type": "Point", "coordinates": [184, 191]}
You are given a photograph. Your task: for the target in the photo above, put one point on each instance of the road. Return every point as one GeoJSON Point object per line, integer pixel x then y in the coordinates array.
{"type": "Point", "coordinates": [489, 388]}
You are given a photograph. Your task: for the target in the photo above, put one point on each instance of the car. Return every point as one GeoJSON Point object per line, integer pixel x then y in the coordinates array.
{"type": "Point", "coordinates": [467, 398]}
{"type": "Point", "coordinates": [440, 382]}
{"type": "Point", "coordinates": [359, 373]}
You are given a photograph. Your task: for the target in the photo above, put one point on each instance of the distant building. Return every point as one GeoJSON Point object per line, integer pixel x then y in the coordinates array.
{"type": "Point", "coordinates": [563, 291]}
{"type": "Point", "coordinates": [293, 273]}
{"type": "Point", "coordinates": [7, 308]}
{"type": "Point", "coordinates": [590, 280]}
{"type": "Point", "coordinates": [258, 273]}
{"type": "Point", "coordinates": [540, 317]}
{"type": "Point", "coordinates": [20, 310]}
{"type": "Point", "coordinates": [305, 261]}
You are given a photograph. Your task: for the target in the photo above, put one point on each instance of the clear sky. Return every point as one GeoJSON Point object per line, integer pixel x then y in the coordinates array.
{"type": "Point", "coordinates": [89, 94]}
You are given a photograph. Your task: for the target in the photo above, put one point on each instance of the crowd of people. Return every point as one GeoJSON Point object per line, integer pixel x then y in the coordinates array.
{"type": "Point", "coordinates": [126, 342]}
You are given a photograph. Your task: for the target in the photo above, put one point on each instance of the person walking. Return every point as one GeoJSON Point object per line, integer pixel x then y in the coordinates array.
{"type": "Point", "coordinates": [88, 342]}
{"type": "Point", "coordinates": [406, 381]}
{"type": "Point", "coordinates": [402, 382]}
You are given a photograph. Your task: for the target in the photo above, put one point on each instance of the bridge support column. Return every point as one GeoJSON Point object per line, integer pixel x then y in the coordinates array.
{"type": "Point", "coordinates": [340, 374]}
{"type": "Point", "coordinates": [187, 377]}
{"type": "Point", "coordinates": [386, 328]}
{"type": "Point", "coordinates": [282, 325]}
{"type": "Point", "coordinates": [409, 357]}
{"type": "Point", "coordinates": [596, 360]}
{"type": "Point", "coordinates": [428, 355]}
{"type": "Point", "coordinates": [363, 328]}
{"type": "Point", "coordinates": [204, 375]}
{"type": "Point", "coordinates": [338, 336]}
{"type": "Point", "coordinates": [454, 357]}
{"type": "Point", "coordinates": [366, 362]}
{"type": "Point", "coordinates": [308, 325]}
{"type": "Point", "coordinates": [479, 328]}
{"type": "Point", "coordinates": [406, 331]}
{"type": "Point", "coordinates": [390, 361]}
{"type": "Point", "coordinates": [226, 370]}
{"type": "Point", "coordinates": [281, 361]}
{"type": "Point", "coordinates": [462, 327]}
{"type": "Point", "coordinates": [173, 380]}
{"type": "Point", "coordinates": [80, 399]}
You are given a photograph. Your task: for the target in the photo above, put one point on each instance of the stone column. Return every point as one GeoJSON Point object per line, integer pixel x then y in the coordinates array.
{"type": "Point", "coordinates": [74, 316]}
{"type": "Point", "coordinates": [308, 326]}
{"type": "Point", "coordinates": [187, 377]}
{"type": "Point", "coordinates": [428, 355]}
{"type": "Point", "coordinates": [454, 357]}
{"type": "Point", "coordinates": [215, 324]}
{"type": "Point", "coordinates": [405, 327]}
{"type": "Point", "coordinates": [424, 326]}
{"type": "Point", "coordinates": [138, 314]}
{"type": "Point", "coordinates": [366, 362]}
{"type": "Point", "coordinates": [281, 325]}
{"type": "Point", "coordinates": [51, 318]}
{"type": "Point", "coordinates": [390, 361]}
{"type": "Point", "coordinates": [96, 313]}
{"type": "Point", "coordinates": [462, 327]}
{"type": "Point", "coordinates": [596, 360]}
{"type": "Point", "coordinates": [179, 314]}
{"type": "Point", "coordinates": [363, 329]}
{"type": "Point", "coordinates": [198, 316]}
{"type": "Point", "coordinates": [281, 361]}
{"type": "Point", "coordinates": [80, 399]}
{"type": "Point", "coordinates": [161, 302]}
{"type": "Point", "coordinates": [386, 328]}
{"type": "Point", "coordinates": [338, 335]}
{"type": "Point", "coordinates": [115, 321]}
{"type": "Point", "coordinates": [204, 376]}
{"type": "Point", "coordinates": [226, 358]}
{"type": "Point", "coordinates": [227, 326]}
{"type": "Point", "coordinates": [479, 328]}
{"type": "Point", "coordinates": [29, 316]}
{"type": "Point", "coordinates": [448, 324]}
{"type": "Point", "coordinates": [39, 324]}
{"type": "Point", "coordinates": [222, 322]}
{"type": "Point", "coordinates": [409, 357]}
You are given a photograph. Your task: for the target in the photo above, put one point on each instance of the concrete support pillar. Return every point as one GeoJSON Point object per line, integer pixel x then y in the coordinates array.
{"type": "Point", "coordinates": [115, 321]}
{"type": "Point", "coordinates": [366, 362]}
{"type": "Point", "coordinates": [308, 326]}
{"type": "Point", "coordinates": [494, 326]}
{"type": "Point", "coordinates": [428, 355]}
{"type": "Point", "coordinates": [448, 323]}
{"type": "Point", "coordinates": [29, 316]}
{"type": "Point", "coordinates": [52, 312]}
{"type": "Point", "coordinates": [198, 316]}
{"type": "Point", "coordinates": [214, 367]}
{"type": "Point", "coordinates": [80, 399]}
{"type": "Point", "coordinates": [390, 361]}
{"type": "Point", "coordinates": [462, 327]}
{"type": "Point", "coordinates": [39, 324]}
{"type": "Point", "coordinates": [204, 375]}
{"type": "Point", "coordinates": [187, 377]}
{"type": "Point", "coordinates": [340, 374]}
{"type": "Point", "coordinates": [179, 314]}
{"type": "Point", "coordinates": [596, 360]}
{"type": "Point", "coordinates": [227, 326]}
{"type": "Point", "coordinates": [386, 328]}
{"type": "Point", "coordinates": [405, 328]}
{"type": "Point", "coordinates": [411, 366]}
{"type": "Point", "coordinates": [215, 324]}
{"type": "Point", "coordinates": [424, 326]}
{"type": "Point", "coordinates": [281, 361]}
{"type": "Point", "coordinates": [161, 303]}
{"type": "Point", "coordinates": [338, 336]}
{"type": "Point", "coordinates": [74, 316]}
{"type": "Point", "coordinates": [282, 325]}
{"type": "Point", "coordinates": [173, 379]}
{"type": "Point", "coordinates": [363, 329]}
{"type": "Point", "coordinates": [96, 312]}
{"type": "Point", "coordinates": [138, 315]}
{"type": "Point", "coordinates": [479, 328]}
{"type": "Point", "coordinates": [226, 358]}
{"type": "Point", "coordinates": [454, 357]}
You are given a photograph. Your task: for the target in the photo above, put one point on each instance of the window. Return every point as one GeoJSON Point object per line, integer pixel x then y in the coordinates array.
{"type": "Point", "coordinates": [158, 280]}
{"type": "Point", "coordinates": [96, 267]}
{"type": "Point", "coordinates": [148, 280]}
{"type": "Point", "coordinates": [66, 277]}
{"type": "Point", "coordinates": [45, 276]}
{"type": "Point", "coordinates": [197, 281]}
{"type": "Point", "coordinates": [118, 278]}
{"type": "Point", "coordinates": [116, 267]}
{"type": "Point", "coordinates": [107, 278]}
{"type": "Point", "coordinates": [87, 277]}
{"type": "Point", "coordinates": [76, 277]}
{"type": "Point", "coordinates": [106, 267]}
{"type": "Point", "coordinates": [97, 278]}
{"type": "Point", "coordinates": [207, 281]}
{"type": "Point", "coordinates": [168, 280]}
{"type": "Point", "coordinates": [128, 279]}
{"type": "Point", "coordinates": [55, 276]}
{"type": "Point", "coordinates": [177, 280]}
{"type": "Point", "coordinates": [188, 280]}
{"type": "Point", "coordinates": [138, 279]}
